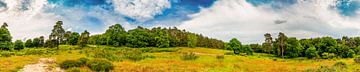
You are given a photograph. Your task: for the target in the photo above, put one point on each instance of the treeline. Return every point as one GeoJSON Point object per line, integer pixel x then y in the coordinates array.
{"type": "Point", "coordinates": [115, 35]}
{"type": "Point", "coordinates": [290, 47]}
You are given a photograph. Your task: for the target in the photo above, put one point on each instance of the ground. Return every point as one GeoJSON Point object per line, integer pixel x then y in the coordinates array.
{"type": "Point", "coordinates": [170, 60]}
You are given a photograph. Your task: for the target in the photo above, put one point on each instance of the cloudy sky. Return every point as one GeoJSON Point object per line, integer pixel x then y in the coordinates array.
{"type": "Point", "coordinates": [246, 20]}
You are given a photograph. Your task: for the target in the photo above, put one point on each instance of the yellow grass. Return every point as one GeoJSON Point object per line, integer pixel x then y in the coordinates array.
{"type": "Point", "coordinates": [207, 62]}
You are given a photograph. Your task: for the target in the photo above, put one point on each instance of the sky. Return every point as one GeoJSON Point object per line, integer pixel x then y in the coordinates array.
{"type": "Point", "coordinates": [246, 20]}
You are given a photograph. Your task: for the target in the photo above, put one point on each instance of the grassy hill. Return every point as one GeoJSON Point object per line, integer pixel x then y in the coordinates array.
{"type": "Point", "coordinates": [178, 59]}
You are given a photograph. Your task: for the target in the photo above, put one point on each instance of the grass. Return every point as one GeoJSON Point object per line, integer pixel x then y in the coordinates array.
{"type": "Point", "coordinates": [169, 60]}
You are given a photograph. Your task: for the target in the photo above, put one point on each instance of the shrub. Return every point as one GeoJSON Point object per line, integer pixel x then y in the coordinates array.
{"type": "Point", "coordinates": [357, 60]}
{"type": "Point", "coordinates": [100, 65]}
{"type": "Point", "coordinates": [18, 45]}
{"type": "Point", "coordinates": [189, 56]}
{"type": "Point", "coordinates": [69, 64]}
{"type": "Point", "coordinates": [340, 65]}
{"type": "Point", "coordinates": [311, 52]}
{"type": "Point", "coordinates": [6, 53]}
{"type": "Point", "coordinates": [220, 57]}
{"type": "Point", "coordinates": [134, 55]}
{"type": "Point", "coordinates": [74, 69]}
{"type": "Point", "coordinates": [82, 61]}
{"type": "Point", "coordinates": [107, 55]}
{"type": "Point", "coordinates": [328, 55]}
{"type": "Point", "coordinates": [325, 69]}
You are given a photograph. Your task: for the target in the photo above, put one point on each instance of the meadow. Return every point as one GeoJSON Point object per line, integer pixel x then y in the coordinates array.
{"type": "Point", "coordinates": [126, 59]}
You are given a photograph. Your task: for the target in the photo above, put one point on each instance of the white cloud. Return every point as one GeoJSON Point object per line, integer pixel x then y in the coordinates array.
{"type": "Point", "coordinates": [237, 18]}
{"type": "Point", "coordinates": [25, 18]}
{"type": "Point", "coordinates": [141, 10]}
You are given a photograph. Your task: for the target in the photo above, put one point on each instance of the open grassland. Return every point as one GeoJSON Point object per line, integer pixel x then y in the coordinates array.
{"type": "Point", "coordinates": [169, 60]}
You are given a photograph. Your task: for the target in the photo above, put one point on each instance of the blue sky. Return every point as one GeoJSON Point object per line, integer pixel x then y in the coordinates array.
{"type": "Point", "coordinates": [246, 20]}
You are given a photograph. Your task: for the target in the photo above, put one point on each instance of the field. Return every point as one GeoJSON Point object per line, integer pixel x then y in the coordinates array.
{"type": "Point", "coordinates": [168, 60]}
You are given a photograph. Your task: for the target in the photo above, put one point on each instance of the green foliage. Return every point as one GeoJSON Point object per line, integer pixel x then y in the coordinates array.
{"type": "Point", "coordinates": [73, 63]}
{"type": "Point", "coordinates": [5, 38]}
{"type": "Point", "coordinates": [294, 48]}
{"type": "Point", "coordinates": [344, 51]}
{"type": "Point", "coordinates": [73, 38]}
{"type": "Point", "coordinates": [235, 45]}
{"type": "Point", "coordinates": [311, 53]}
{"type": "Point", "coordinates": [280, 44]}
{"type": "Point", "coordinates": [83, 40]}
{"type": "Point", "coordinates": [162, 38]}
{"type": "Point", "coordinates": [326, 55]}
{"type": "Point", "coordinates": [74, 69]}
{"type": "Point", "coordinates": [192, 40]}
{"type": "Point", "coordinates": [18, 45]}
{"type": "Point", "coordinates": [220, 57]}
{"type": "Point", "coordinates": [189, 56]}
{"type": "Point", "coordinates": [28, 43]}
{"type": "Point", "coordinates": [115, 35]}
{"type": "Point", "coordinates": [247, 50]}
{"type": "Point", "coordinates": [57, 34]}
{"type": "Point", "coordinates": [357, 60]}
{"type": "Point", "coordinates": [340, 66]}
{"type": "Point", "coordinates": [138, 38]}
{"type": "Point", "coordinates": [100, 65]}
{"type": "Point", "coordinates": [69, 64]}
{"type": "Point", "coordinates": [6, 53]}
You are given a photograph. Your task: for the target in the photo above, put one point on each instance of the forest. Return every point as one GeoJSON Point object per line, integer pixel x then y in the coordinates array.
{"type": "Point", "coordinates": [115, 43]}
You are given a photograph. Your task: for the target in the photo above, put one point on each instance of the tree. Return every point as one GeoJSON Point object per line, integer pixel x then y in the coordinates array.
{"type": "Point", "coordinates": [268, 44]}
{"type": "Point", "coordinates": [138, 37]}
{"type": "Point", "coordinates": [281, 44]}
{"type": "Point", "coordinates": [235, 45]}
{"type": "Point", "coordinates": [192, 40]}
{"type": "Point", "coordinates": [116, 35]}
{"type": "Point", "coordinates": [29, 43]}
{"type": "Point", "coordinates": [294, 48]}
{"type": "Point", "coordinates": [73, 38]}
{"type": "Point", "coordinates": [311, 52]}
{"type": "Point", "coordinates": [5, 38]}
{"type": "Point", "coordinates": [18, 45]}
{"type": "Point", "coordinates": [42, 41]}
{"type": "Point", "coordinates": [162, 38]}
{"type": "Point", "coordinates": [57, 34]}
{"type": "Point", "coordinates": [36, 42]}
{"type": "Point", "coordinates": [83, 40]}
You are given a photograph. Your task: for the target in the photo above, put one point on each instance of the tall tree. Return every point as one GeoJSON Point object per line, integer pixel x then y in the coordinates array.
{"type": "Point", "coordinates": [42, 41]}
{"type": "Point", "coordinates": [139, 37]}
{"type": "Point", "coordinates": [5, 38]}
{"type": "Point", "coordinates": [83, 40]}
{"type": "Point", "coordinates": [268, 44]}
{"type": "Point", "coordinates": [281, 42]}
{"type": "Point", "coordinates": [57, 34]}
{"type": "Point", "coordinates": [116, 35]}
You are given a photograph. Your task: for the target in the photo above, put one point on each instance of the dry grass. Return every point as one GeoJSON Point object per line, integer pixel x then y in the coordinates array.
{"type": "Point", "coordinates": [171, 62]}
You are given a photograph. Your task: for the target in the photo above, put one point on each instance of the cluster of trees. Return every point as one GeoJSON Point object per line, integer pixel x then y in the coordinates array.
{"type": "Point", "coordinates": [155, 37]}
{"type": "Point", "coordinates": [114, 36]}
{"type": "Point", "coordinates": [322, 47]}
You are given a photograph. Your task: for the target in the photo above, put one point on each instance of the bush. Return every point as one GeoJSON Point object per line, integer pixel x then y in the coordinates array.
{"type": "Point", "coordinates": [18, 45]}
{"type": "Point", "coordinates": [69, 64]}
{"type": "Point", "coordinates": [189, 56]}
{"type": "Point", "coordinates": [109, 55]}
{"type": "Point", "coordinates": [6, 53]}
{"type": "Point", "coordinates": [328, 55]}
{"type": "Point", "coordinates": [340, 65]}
{"type": "Point", "coordinates": [220, 57]}
{"type": "Point", "coordinates": [311, 52]}
{"type": "Point", "coordinates": [100, 65]}
{"type": "Point", "coordinates": [74, 69]}
{"type": "Point", "coordinates": [357, 60]}
{"type": "Point", "coordinates": [134, 55]}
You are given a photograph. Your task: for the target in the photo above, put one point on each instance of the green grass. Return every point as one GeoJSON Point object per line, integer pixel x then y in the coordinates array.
{"type": "Point", "coordinates": [169, 60]}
